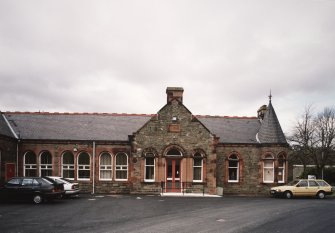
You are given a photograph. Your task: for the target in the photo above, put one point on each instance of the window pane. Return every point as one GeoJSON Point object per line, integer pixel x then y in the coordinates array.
{"type": "Point", "coordinates": [197, 162]}
{"type": "Point", "coordinates": [233, 174]}
{"type": "Point", "coordinates": [27, 181]}
{"type": "Point", "coordinates": [280, 174]}
{"type": "Point", "coordinates": [149, 172]}
{"type": "Point", "coordinates": [233, 157]}
{"type": "Point", "coordinates": [121, 175]}
{"type": "Point", "coordinates": [233, 163]}
{"type": "Point", "coordinates": [312, 183]}
{"type": "Point", "coordinates": [84, 158]}
{"type": "Point", "coordinates": [173, 152]}
{"type": "Point", "coordinates": [281, 163]}
{"type": "Point", "coordinates": [105, 174]}
{"type": "Point", "coordinates": [30, 158]}
{"type": "Point", "coordinates": [303, 183]}
{"type": "Point", "coordinates": [68, 158]}
{"type": "Point", "coordinates": [68, 174]}
{"type": "Point", "coordinates": [45, 172]}
{"type": "Point", "coordinates": [150, 161]}
{"type": "Point", "coordinates": [106, 159]}
{"type": "Point", "coordinates": [197, 173]}
{"type": "Point", "coordinates": [121, 159]}
{"type": "Point", "coordinates": [30, 172]}
{"type": "Point", "coordinates": [46, 158]}
{"type": "Point", "coordinates": [268, 163]}
{"type": "Point", "coordinates": [268, 174]}
{"type": "Point", "coordinates": [84, 174]}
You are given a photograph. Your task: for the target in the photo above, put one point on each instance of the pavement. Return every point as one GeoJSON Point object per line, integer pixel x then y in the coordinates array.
{"type": "Point", "coordinates": [187, 195]}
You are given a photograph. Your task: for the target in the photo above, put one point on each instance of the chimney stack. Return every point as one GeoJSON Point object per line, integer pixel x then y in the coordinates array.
{"type": "Point", "coordinates": [174, 93]}
{"type": "Point", "coordinates": [261, 112]}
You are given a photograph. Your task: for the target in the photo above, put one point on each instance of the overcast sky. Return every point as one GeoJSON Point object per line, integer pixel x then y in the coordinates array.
{"type": "Point", "coordinates": [119, 56]}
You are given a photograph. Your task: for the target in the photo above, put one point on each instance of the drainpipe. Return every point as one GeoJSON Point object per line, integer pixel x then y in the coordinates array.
{"type": "Point", "coordinates": [93, 167]}
{"type": "Point", "coordinates": [17, 158]}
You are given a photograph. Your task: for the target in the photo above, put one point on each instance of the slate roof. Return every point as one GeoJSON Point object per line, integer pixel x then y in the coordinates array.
{"type": "Point", "coordinates": [4, 128]}
{"type": "Point", "coordinates": [114, 127]}
{"type": "Point", "coordinates": [117, 127]}
{"type": "Point", "coordinates": [233, 129]}
{"type": "Point", "coordinates": [270, 130]}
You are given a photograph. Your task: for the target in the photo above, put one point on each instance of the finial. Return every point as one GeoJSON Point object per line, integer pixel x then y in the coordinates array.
{"type": "Point", "coordinates": [270, 96]}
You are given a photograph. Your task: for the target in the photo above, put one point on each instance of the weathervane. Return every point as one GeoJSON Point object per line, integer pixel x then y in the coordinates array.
{"type": "Point", "coordinates": [270, 96]}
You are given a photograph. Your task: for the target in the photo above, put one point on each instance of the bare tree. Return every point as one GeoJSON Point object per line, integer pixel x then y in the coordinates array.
{"type": "Point", "coordinates": [325, 132]}
{"type": "Point", "coordinates": [313, 139]}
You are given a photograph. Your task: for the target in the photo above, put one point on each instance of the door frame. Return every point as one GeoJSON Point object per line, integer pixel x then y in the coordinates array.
{"type": "Point", "coordinates": [173, 180]}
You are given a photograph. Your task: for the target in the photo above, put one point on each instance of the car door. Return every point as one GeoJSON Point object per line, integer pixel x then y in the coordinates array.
{"type": "Point", "coordinates": [313, 188]}
{"type": "Point", "coordinates": [10, 190]}
{"type": "Point", "coordinates": [301, 188]}
{"type": "Point", "coordinates": [25, 190]}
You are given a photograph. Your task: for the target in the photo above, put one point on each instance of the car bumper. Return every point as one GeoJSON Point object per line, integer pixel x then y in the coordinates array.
{"type": "Point", "coordinates": [54, 195]}
{"type": "Point", "coordinates": [72, 192]}
{"type": "Point", "coordinates": [275, 193]}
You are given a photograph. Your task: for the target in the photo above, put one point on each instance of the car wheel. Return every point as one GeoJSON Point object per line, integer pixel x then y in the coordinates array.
{"type": "Point", "coordinates": [37, 199]}
{"type": "Point", "coordinates": [321, 195]}
{"type": "Point", "coordinates": [288, 195]}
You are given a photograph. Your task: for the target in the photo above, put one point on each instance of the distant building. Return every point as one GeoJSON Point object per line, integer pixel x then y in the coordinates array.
{"type": "Point", "coordinates": [171, 151]}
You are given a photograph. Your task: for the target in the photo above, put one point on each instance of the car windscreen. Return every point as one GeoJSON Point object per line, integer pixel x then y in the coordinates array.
{"type": "Point", "coordinates": [294, 182]}
{"type": "Point", "coordinates": [46, 181]}
{"type": "Point", "coordinates": [65, 180]}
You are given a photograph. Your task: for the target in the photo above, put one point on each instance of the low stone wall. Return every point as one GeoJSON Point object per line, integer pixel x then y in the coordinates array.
{"type": "Point", "coordinates": [106, 187]}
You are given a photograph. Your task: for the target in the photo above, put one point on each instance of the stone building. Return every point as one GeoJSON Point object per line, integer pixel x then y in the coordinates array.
{"type": "Point", "coordinates": [171, 151]}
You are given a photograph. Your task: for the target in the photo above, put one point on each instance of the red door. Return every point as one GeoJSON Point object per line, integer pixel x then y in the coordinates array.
{"type": "Point", "coordinates": [173, 182]}
{"type": "Point", "coordinates": [10, 170]}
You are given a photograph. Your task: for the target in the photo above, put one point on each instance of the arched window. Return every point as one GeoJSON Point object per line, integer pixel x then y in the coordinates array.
{"type": "Point", "coordinates": [149, 175]}
{"type": "Point", "coordinates": [268, 169]}
{"type": "Point", "coordinates": [30, 164]}
{"type": "Point", "coordinates": [45, 164]}
{"type": "Point", "coordinates": [281, 168]}
{"type": "Point", "coordinates": [84, 166]}
{"type": "Point", "coordinates": [68, 165]}
{"type": "Point", "coordinates": [121, 166]}
{"type": "Point", "coordinates": [106, 166]}
{"type": "Point", "coordinates": [173, 152]}
{"type": "Point", "coordinates": [233, 168]}
{"type": "Point", "coordinates": [197, 167]}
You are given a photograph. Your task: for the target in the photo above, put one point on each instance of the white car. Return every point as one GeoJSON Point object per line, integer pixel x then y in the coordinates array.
{"type": "Point", "coordinates": [69, 187]}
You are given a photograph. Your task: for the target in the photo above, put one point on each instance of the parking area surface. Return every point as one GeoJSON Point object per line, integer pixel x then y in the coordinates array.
{"type": "Point", "coordinates": [128, 213]}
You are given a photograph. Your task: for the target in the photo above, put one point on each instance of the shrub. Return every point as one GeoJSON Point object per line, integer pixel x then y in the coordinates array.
{"type": "Point", "coordinates": [328, 174]}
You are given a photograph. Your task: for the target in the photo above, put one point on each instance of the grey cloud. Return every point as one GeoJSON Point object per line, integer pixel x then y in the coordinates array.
{"type": "Point", "coordinates": [119, 56]}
